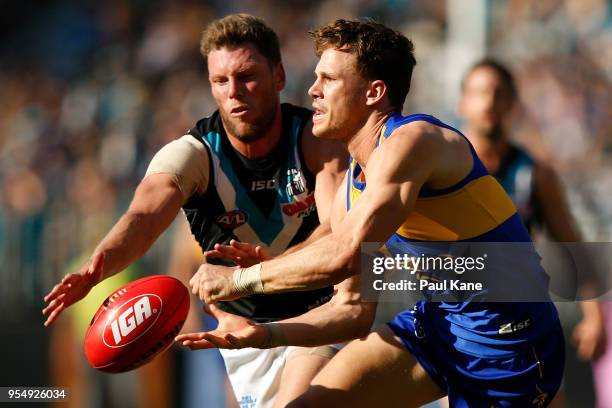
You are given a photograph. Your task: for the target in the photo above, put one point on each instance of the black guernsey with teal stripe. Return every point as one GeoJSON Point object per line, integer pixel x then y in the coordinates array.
{"type": "Point", "coordinates": [268, 202]}
{"type": "Point", "coordinates": [515, 174]}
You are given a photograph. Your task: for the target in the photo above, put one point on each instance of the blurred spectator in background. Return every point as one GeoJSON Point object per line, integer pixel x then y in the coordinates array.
{"type": "Point", "coordinates": [489, 97]}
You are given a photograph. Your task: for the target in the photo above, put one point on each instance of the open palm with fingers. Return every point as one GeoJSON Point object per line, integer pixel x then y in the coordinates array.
{"type": "Point", "coordinates": [73, 287]}
{"type": "Point", "coordinates": [233, 332]}
{"type": "Point", "coordinates": [241, 253]}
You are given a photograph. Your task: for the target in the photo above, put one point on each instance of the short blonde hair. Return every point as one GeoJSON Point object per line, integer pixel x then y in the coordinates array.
{"type": "Point", "coordinates": [238, 29]}
{"type": "Point", "coordinates": [381, 53]}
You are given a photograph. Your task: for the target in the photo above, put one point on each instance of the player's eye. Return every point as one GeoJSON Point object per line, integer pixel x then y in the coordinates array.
{"type": "Point", "coordinates": [246, 76]}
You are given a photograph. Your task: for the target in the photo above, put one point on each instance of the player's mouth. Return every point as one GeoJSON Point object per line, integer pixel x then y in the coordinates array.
{"type": "Point", "coordinates": [238, 111]}
{"type": "Point", "coordinates": [317, 113]}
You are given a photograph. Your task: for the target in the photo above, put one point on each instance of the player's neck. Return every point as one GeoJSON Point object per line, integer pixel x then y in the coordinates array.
{"type": "Point", "coordinates": [489, 144]}
{"type": "Point", "coordinates": [491, 149]}
{"type": "Point", "coordinates": [363, 143]}
{"type": "Point", "coordinates": [262, 146]}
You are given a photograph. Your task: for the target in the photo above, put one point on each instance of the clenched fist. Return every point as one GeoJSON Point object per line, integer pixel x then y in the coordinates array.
{"type": "Point", "coordinates": [213, 283]}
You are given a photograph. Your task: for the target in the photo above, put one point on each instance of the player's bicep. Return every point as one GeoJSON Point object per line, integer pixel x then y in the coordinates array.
{"type": "Point", "coordinates": [186, 162]}
{"type": "Point", "coordinates": [395, 173]}
{"type": "Point", "coordinates": [380, 211]}
{"type": "Point", "coordinates": [157, 195]}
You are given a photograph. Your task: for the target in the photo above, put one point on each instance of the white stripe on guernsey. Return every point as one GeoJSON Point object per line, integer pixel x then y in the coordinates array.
{"type": "Point", "coordinates": [284, 237]}
{"type": "Point", "coordinates": [291, 223]}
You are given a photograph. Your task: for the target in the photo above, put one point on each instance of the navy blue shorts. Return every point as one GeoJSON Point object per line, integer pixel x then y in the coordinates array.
{"type": "Point", "coordinates": [530, 377]}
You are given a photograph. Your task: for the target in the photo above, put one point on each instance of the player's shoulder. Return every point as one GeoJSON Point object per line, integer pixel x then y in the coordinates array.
{"type": "Point", "coordinates": [415, 127]}
{"type": "Point", "coordinates": [179, 153]}
{"type": "Point", "coordinates": [416, 134]}
{"type": "Point", "coordinates": [412, 142]}
{"type": "Point", "coordinates": [187, 142]}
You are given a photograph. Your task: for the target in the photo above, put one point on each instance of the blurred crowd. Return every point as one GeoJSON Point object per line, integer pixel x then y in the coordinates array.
{"type": "Point", "coordinates": [91, 90]}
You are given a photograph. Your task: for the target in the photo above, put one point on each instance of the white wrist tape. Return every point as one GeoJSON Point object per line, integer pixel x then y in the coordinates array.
{"type": "Point", "coordinates": [247, 281]}
{"type": "Point", "coordinates": [276, 336]}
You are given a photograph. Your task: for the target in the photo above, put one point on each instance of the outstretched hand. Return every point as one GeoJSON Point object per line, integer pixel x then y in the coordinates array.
{"type": "Point", "coordinates": [241, 253]}
{"type": "Point", "coordinates": [589, 338]}
{"type": "Point", "coordinates": [233, 332]}
{"type": "Point", "coordinates": [73, 287]}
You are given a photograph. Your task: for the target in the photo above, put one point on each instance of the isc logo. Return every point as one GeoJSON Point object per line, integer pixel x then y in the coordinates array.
{"type": "Point", "coordinates": [134, 318]}
{"type": "Point", "coordinates": [258, 185]}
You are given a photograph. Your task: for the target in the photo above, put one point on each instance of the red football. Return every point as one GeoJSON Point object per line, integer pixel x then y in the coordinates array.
{"type": "Point", "coordinates": [135, 323]}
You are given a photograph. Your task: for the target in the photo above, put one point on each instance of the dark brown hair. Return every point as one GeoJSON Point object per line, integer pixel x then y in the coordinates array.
{"type": "Point", "coordinates": [238, 29]}
{"type": "Point", "coordinates": [382, 53]}
{"type": "Point", "coordinates": [501, 70]}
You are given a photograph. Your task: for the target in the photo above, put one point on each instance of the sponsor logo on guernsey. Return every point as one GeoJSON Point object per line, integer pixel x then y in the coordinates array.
{"type": "Point", "coordinates": [131, 320]}
{"type": "Point", "coordinates": [301, 208]}
{"type": "Point", "coordinates": [295, 182]}
{"type": "Point", "coordinates": [514, 327]}
{"type": "Point", "coordinates": [232, 219]}
{"type": "Point", "coordinates": [258, 185]}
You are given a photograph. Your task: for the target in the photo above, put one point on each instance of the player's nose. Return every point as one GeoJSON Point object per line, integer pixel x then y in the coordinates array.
{"type": "Point", "coordinates": [234, 88]}
{"type": "Point", "coordinates": [315, 91]}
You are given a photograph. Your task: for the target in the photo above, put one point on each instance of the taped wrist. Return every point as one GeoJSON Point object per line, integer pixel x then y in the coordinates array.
{"type": "Point", "coordinates": [247, 281]}
{"type": "Point", "coordinates": [276, 336]}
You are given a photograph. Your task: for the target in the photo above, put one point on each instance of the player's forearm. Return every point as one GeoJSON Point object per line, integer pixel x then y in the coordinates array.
{"type": "Point", "coordinates": [156, 202]}
{"type": "Point", "coordinates": [324, 263]}
{"type": "Point", "coordinates": [593, 310]}
{"type": "Point", "coordinates": [327, 324]}
{"type": "Point", "coordinates": [128, 240]}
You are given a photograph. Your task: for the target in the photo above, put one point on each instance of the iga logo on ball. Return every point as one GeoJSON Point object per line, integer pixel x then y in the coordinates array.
{"type": "Point", "coordinates": [136, 316]}
{"type": "Point", "coordinates": [135, 323]}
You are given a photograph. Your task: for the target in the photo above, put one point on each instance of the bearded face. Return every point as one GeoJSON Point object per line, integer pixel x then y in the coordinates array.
{"type": "Point", "coordinates": [245, 86]}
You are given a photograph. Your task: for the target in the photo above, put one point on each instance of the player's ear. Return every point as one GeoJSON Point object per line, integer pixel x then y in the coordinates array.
{"type": "Point", "coordinates": [279, 76]}
{"type": "Point", "coordinates": [376, 91]}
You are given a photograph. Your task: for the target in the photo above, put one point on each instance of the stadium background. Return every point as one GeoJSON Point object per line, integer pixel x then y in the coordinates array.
{"type": "Point", "coordinates": [90, 90]}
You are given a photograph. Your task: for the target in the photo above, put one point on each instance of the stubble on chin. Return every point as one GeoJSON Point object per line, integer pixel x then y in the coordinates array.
{"type": "Point", "coordinates": [249, 132]}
